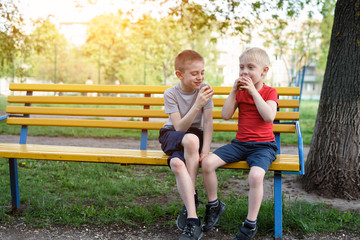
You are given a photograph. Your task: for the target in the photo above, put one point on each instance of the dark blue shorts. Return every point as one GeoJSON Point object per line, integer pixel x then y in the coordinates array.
{"type": "Point", "coordinates": [171, 141]}
{"type": "Point", "coordinates": [259, 154]}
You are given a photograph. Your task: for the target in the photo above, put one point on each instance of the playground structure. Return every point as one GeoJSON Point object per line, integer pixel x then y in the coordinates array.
{"type": "Point", "coordinates": [298, 79]}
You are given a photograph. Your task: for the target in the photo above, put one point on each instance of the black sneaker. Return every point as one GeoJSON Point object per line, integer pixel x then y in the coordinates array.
{"type": "Point", "coordinates": [191, 231]}
{"type": "Point", "coordinates": [246, 232]}
{"type": "Point", "coordinates": [181, 219]}
{"type": "Point", "coordinates": [212, 215]}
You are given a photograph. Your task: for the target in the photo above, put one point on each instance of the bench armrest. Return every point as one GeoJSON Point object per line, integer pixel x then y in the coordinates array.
{"type": "Point", "coordinates": [4, 117]}
{"type": "Point", "coordinates": [300, 149]}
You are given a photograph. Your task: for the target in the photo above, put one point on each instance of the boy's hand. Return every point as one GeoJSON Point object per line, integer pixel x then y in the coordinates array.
{"type": "Point", "coordinates": [204, 95]}
{"type": "Point", "coordinates": [203, 156]}
{"type": "Point", "coordinates": [246, 83]}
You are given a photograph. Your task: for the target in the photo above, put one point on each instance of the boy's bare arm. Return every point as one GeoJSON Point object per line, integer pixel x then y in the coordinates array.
{"type": "Point", "coordinates": [208, 132]}
{"type": "Point", "coordinates": [183, 124]}
{"type": "Point", "coordinates": [230, 104]}
{"type": "Point", "coordinates": [266, 109]}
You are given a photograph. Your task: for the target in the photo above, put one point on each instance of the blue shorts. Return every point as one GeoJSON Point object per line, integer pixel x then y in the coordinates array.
{"type": "Point", "coordinates": [171, 142]}
{"type": "Point", "coordinates": [259, 154]}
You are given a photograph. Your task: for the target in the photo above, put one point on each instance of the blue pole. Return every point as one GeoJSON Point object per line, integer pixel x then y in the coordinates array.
{"type": "Point", "coordinates": [278, 204]}
{"type": "Point", "coordinates": [14, 184]}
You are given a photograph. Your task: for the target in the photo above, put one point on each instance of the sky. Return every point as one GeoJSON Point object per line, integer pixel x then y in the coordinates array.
{"type": "Point", "coordinates": [65, 11]}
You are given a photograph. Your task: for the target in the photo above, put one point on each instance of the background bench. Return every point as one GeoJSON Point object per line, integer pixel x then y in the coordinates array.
{"type": "Point", "coordinates": [137, 107]}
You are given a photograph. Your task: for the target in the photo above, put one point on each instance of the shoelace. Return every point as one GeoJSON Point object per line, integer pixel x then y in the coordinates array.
{"type": "Point", "coordinates": [189, 229]}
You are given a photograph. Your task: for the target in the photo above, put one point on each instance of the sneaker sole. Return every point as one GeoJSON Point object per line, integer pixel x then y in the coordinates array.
{"type": "Point", "coordinates": [181, 228]}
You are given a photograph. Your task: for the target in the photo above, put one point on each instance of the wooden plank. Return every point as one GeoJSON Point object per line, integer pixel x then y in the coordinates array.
{"type": "Point", "coordinates": [91, 112]}
{"type": "Point", "coordinates": [288, 103]}
{"type": "Point", "coordinates": [85, 123]}
{"type": "Point", "coordinates": [225, 127]}
{"type": "Point", "coordinates": [112, 112]}
{"type": "Point", "coordinates": [141, 101]}
{"type": "Point", "coordinates": [232, 127]}
{"type": "Point", "coordinates": [119, 156]}
{"type": "Point", "coordinates": [288, 91]}
{"type": "Point", "coordinates": [283, 103]}
{"type": "Point", "coordinates": [152, 101]}
{"type": "Point", "coordinates": [279, 115]}
{"type": "Point", "coordinates": [81, 88]}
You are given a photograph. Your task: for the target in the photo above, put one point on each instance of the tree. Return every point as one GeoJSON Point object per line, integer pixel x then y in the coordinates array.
{"type": "Point", "coordinates": [48, 48]}
{"type": "Point", "coordinates": [13, 42]}
{"type": "Point", "coordinates": [106, 43]}
{"type": "Point", "coordinates": [333, 164]}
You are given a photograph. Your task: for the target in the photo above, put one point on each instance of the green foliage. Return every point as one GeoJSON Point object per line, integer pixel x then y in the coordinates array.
{"type": "Point", "coordinates": [13, 40]}
{"type": "Point", "coordinates": [327, 12]}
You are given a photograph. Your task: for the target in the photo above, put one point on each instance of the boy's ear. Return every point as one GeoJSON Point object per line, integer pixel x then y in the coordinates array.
{"type": "Point", "coordinates": [266, 69]}
{"type": "Point", "coordinates": [179, 74]}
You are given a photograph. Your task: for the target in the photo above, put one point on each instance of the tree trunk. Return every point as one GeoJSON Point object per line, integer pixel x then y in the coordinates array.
{"type": "Point", "coordinates": [333, 164]}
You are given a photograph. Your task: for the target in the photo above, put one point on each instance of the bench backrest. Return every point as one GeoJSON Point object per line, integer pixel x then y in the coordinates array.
{"type": "Point", "coordinates": [124, 106]}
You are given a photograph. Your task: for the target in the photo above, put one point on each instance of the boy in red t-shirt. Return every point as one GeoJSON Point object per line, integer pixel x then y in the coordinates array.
{"type": "Point", "coordinates": [254, 142]}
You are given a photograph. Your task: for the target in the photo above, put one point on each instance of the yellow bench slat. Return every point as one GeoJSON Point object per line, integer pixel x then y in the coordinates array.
{"type": "Point", "coordinates": [232, 127]}
{"type": "Point", "coordinates": [141, 101]}
{"type": "Point", "coordinates": [84, 123]}
{"type": "Point", "coordinates": [283, 103]}
{"type": "Point", "coordinates": [226, 126]}
{"type": "Point", "coordinates": [279, 115]}
{"type": "Point", "coordinates": [111, 112]}
{"type": "Point", "coordinates": [100, 112]}
{"type": "Point", "coordinates": [288, 91]}
{"type": "Point", "coordinates": [153, 101]}
{"type": "Point", "coordinates": [120, 156]}
{"type": "Point", "coordinates": [288, 103]}
{"type": "Point", "coordinates": [88, 88]}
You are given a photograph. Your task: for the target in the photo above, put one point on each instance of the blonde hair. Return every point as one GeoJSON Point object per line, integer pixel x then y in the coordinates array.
{"type": "Point", "coordinates": [256, 54]}
{"type": "Point", "coordinates": [184, 57]}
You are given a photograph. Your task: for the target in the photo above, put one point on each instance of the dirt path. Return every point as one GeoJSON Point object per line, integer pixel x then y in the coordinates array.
{"type": "Point", "coordinates": [291, 188]}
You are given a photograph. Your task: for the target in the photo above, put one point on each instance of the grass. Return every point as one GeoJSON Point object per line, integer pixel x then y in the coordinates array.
{"type": "Point", "coordinates": [70, 193]}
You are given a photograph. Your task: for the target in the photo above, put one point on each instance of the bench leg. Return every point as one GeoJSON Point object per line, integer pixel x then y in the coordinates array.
{"type": "Point", "coordinates": [144, 140]}
{"type": "Point", "coordinates": [278, 205]}
{"type": "Point", "coordinates": [14, 184]}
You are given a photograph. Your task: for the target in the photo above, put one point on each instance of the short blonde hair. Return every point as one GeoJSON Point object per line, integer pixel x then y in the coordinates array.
{"type": "Point", "coordinates": [256, 54]}
{"type": "Point", "coordinates": [184, 57]}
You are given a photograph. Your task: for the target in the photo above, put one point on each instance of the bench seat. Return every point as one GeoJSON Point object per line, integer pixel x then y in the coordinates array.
{"type": "Point", "coordinates": [119, 156]}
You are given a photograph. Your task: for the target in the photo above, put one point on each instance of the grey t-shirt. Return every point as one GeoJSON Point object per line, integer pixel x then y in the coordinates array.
{"type": "Point", "coordinates": [176, 100]}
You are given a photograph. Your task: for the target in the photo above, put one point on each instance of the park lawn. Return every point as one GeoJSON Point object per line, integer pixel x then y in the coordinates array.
{"type": "Point", "coordinates": [71, 193]}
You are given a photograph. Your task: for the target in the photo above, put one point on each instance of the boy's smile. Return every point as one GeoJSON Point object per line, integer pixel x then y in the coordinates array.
{"type": "Point", "coordinates": [192, 77]}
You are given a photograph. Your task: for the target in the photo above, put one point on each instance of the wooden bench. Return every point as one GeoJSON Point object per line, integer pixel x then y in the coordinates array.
{"type": "Point", "coordinates": [137, 107]}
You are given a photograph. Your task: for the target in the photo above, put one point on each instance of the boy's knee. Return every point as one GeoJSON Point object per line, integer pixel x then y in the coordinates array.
{"type": "Point", "coordinates": [256, 176]}
{"type": "Point", "coordinates": [191, 142]}
{"type": "Point", "coordinates": [207, 164]}
{"type": "Point", "coordinates": [177, 165]}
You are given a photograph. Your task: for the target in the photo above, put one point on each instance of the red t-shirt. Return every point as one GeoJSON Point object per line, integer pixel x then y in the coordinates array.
{"type": "Point", "coordinates": [251, 126]}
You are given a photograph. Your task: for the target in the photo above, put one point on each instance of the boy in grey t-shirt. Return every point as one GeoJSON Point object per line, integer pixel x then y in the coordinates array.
{"type": "Point", "coordinates": [186, 137]}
